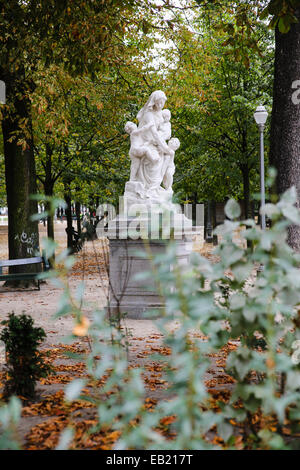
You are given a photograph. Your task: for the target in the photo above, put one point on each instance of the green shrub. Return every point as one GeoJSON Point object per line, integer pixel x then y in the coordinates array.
{"type": "Point", "coordinates": [252, 296]}
{"type": "Point", "coordinates": [24, 363]}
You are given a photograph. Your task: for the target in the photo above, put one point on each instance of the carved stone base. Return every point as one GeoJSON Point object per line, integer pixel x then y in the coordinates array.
{"type": "Point", "coordinates": [136, 194]}
{"type": "Point", "coordinates": [127, 294]}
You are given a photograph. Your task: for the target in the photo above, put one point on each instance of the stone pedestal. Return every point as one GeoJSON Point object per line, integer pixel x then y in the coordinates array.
{"type": "Point", "coordinates": [127, 294]}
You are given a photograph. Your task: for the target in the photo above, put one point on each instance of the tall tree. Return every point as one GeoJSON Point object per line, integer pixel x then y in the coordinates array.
{"type": "Point", "coordinates": [23, 238]}
{"type": "Point", "coordinates": [82, 36]}
{"type": "Point", "coordinates": [285, 123]}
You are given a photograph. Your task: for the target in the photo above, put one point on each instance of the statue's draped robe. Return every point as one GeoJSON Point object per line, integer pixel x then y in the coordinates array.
{"type": "Point", "coordinates": [151, 174]}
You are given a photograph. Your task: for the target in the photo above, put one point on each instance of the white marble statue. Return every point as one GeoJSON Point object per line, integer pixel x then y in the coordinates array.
{"type": "Point", "coordinates": [152, 154]}
{"type": "Point", "coordinates": [139, 147]}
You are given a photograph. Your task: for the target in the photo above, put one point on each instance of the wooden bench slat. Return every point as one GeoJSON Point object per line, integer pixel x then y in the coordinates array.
{"type": "Point", "coordinates": [21, 262]}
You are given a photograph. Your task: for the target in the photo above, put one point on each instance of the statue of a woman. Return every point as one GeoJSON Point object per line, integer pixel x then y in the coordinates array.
{"type": "Point", "coordinates": [149, 152]}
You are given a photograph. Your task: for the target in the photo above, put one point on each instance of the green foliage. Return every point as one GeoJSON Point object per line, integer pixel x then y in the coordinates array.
{"type": "Point", "coordinates": [24, 363]}
{"type": "Point", "coordinates": [260, 312]}
{"type": "Point", "coordinates": [263, 317]}
{"type": "Point", "coordinates": [283, 14]}
{"type": "Point", "coordinates": [77, 36]}
{"type": "Point", "coordinates": [212, 304]}
{"type": "Point", "coordinates": [9, 416]}
{"type": "Point", "coordinates": [214, 90]}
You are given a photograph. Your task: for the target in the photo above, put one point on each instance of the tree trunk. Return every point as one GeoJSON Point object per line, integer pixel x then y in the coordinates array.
{"type": "Point", "coordinates": [49, 186]}
{"type": "Point", "coordinates": [77, 210]}
{"type": "Point", "coordinates": [23, 235]}
{"type": "Point", "coordinates": [50, 221]}
{"type": "Point", "coordinates": [285, 124]}
{"type": "Point", "coordinates": [68, 211]}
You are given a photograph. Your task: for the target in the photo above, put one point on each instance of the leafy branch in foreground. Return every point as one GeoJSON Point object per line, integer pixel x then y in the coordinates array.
{"type": "Point", "coordinates": [212, 305]}
{"type": "Point", "coordinates": [10, 414]}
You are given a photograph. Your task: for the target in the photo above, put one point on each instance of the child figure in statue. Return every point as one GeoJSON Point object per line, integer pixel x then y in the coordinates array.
{"type": "Point", "coordinates": [173, 145]}
{"type": "Point", "coordinates": [164, 128]}
{"type": "Point", "coordinates": [141, 145]}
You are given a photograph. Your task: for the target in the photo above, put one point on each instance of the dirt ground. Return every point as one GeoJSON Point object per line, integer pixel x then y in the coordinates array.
{"type": "Point", "coordinates": [42, 305]}
{"type": "Point", "coordinates": [34, 430]}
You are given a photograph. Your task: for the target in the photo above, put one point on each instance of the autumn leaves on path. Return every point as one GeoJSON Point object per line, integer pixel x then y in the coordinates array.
{"type": "Point", "coordinates": [44, 419]}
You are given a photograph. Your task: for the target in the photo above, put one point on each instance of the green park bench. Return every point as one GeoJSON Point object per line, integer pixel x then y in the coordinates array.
{"type": "Point", "coordinates": [22, 262]}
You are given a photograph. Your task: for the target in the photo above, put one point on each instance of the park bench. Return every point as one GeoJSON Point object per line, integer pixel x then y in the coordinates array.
{"type": "Point", "coordinates": [22, 262]}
